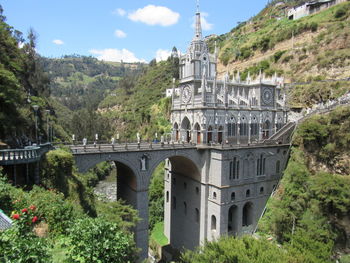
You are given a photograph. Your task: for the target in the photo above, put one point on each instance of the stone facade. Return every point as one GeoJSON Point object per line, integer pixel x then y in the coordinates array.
{"type": "Point", "coordinates": [228, 193]}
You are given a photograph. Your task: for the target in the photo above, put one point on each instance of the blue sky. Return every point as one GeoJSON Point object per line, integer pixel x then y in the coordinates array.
{"type": "Point", "coordinates": [130, 30]}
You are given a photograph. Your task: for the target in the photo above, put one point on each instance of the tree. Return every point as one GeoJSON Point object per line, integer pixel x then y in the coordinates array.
{"type": "Point", "coordinates": [95, 240]}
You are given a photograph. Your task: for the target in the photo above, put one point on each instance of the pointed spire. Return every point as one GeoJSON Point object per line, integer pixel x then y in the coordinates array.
{"type": "Point", "coordinates": [198, 33]}
{"type": "Point", "coordinates": [238, 78]}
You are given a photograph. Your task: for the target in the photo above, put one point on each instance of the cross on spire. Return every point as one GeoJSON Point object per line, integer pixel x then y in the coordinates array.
{"type": "Point", "coordinates": [197, 6]}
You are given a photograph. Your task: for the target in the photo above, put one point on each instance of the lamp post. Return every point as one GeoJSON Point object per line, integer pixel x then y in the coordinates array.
{"type": "Point", "coordinates": [47, 123]}
{"type": "Point", "coordinates": [36, 107]}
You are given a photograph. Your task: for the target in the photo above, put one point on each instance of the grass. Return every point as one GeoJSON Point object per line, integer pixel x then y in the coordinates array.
{"type": "Point", "coordinates": [157, 234]}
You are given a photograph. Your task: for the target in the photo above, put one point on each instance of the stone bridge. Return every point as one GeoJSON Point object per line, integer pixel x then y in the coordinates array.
{"type": "Point", "coordinates": [208, 170]}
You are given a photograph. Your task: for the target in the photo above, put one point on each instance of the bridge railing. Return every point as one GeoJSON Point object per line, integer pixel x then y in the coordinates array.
{"type": "Point", "coordinates": [26, 155]}
{"type": "Point", "coordinates": [13, 155]}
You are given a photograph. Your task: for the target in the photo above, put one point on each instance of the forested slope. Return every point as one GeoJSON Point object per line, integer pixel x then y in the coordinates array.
{"type": "Point", "coordinates": [23, 83]}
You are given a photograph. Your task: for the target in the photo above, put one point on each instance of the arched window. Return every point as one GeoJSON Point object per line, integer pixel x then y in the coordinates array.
{"type": "Point", "coordinates": [197, 190]}
{"type": "Point", "coordinates": [174, 202]}
{"type": "Point", "coordinates": [210, 134]}
{"type": "Point", "coordinates": [260, 165]}
{"type": "Point", "coordinates": [167, 196]}
{"type": "Point", "coordinates": [213, 222]}
{"type": "Point", "coordinates": [243, 127]}
{"type": "Point", "coordinates": [197, 129]}
{"type": "Point", "coordinates": [232, 128]}
{"type": "Point", "coordinates": [185, 208]}
{"type": "Point", "coordinates": [261, 190]}
{"type": "Point", "coordinates": [176, 130]}
{"type": "Point", "coordinates": [247, 193]}
{"type": "Point", "coordinates": [234, 168]}
{"type": "Point", "coordinates": [197, 215]}
{"type": "Point", "coordinates": [214, 195]}
{"type": "Point", "coordinates": [220, 132]}
{"type": "Point", "coordinates": [233, 196]}
{"type": "Point", "coordinates": [254, 127]}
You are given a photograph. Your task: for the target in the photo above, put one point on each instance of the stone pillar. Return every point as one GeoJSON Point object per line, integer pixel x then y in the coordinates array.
{"type": "Point", "coordinates": [249, 127]}
{"type": "Point", "coordinates": [36, 173]}
{"type": "Point", "coordinates": [203, 224]}
{"type": "Point", "coordinates": [141, 229]}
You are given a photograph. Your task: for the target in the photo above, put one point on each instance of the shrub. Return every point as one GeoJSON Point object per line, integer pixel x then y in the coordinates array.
{"type": "Point", "coordinates": [52, 206]}
{"type": "Point", "coordinates": [313, 26]}
{"type": "Point", "coordinates": [96, 240]}
{"type": "Point", "coordinates": [278, 55]}
{"type": "Point", "coordinates": [340, 12]}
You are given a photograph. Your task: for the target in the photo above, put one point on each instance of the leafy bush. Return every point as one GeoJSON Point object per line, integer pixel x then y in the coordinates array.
{"type": "Point", "coordinates": [96, 240]}
{"type": "Point", "coordinates": [246, 249]}
{"type": "Point", "coordinates": [19, 243]}
{"type": "Point", "coordinates": [57, 212]}
{"type": "Point", "coordinates": [56, 168]}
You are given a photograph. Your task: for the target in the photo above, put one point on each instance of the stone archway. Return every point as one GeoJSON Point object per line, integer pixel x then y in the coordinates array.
{"type": "Point", "coordinates": [210, 134]}
{"type": "Point", "coordinates": [186, 130]}
{"type": "Point", "coordinates": [197, 129]}
{"type": "Point", "coordinates": [176, 131]}
{"type": "Point", "coordinates": [247, 215]}
{"type": "Point", "coordinates": [232, 222]}
{"type": "Point", "coordinates": [220, 134]}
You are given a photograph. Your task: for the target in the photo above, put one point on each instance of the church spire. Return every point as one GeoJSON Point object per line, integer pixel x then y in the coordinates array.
{"type": "Point", "coordinates": [198, 34]}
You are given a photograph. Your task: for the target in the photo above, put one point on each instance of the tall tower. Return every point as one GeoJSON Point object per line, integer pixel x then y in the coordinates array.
{"type": "Point", "coordinates": [228, 119]}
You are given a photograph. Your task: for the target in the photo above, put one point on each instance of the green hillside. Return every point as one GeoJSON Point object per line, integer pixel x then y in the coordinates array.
{"type": "Point", "coordinates": [313, 48]}
{"type": "Point", "coordinates": [139, 103]}
{"type": "Point", "coordinates": [82, 82]}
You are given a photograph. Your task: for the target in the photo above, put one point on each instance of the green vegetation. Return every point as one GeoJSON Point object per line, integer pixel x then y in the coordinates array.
{"type": "Point", "coordinates": [157, 234]}
{"type": "Point", "coordinates": [246, 249]}
{"type": "Point", "coordinates": [156, 197]}
{"type": "Point", "coordinates": [82, 82]}
{"type": "Point", "coordinates": [319, 40]}
{"type": "Point", "coordinates": [69, 216]}
{"type": "Point", "coordinates": [95, 240]}
{"type": "Point", "coordinates": [139, 104]}
{"type": "Point", "coordinates": [313, 201]}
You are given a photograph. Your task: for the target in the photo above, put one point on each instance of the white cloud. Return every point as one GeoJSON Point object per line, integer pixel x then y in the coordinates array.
{"type": "Point", "coordinates": [155, 15]}
{"type": "Point", "coordinates": [162, 54]}
{"type": "Point", "coordinates": [116, 55]}
{"type": "Point", "coordinates": [119, 11]}
{"type": "Point", "coordinates": [205, 24]}
{"type": "Point", "coordinates": [58, 42]}
{"type": "Point", "coordinates": [119, 33]}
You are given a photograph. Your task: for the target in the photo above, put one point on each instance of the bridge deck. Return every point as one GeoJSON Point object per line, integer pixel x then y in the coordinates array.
{"type": "Point", "coordinates": [137, 147]}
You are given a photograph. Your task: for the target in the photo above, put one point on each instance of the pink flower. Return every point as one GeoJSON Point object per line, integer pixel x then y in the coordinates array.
{"type": "Point", "coordinates": [32, 207]}
{"type": "Point", "coordinates": [24, 210]}
{"type": "Point", "coordinates": [35, 218]}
